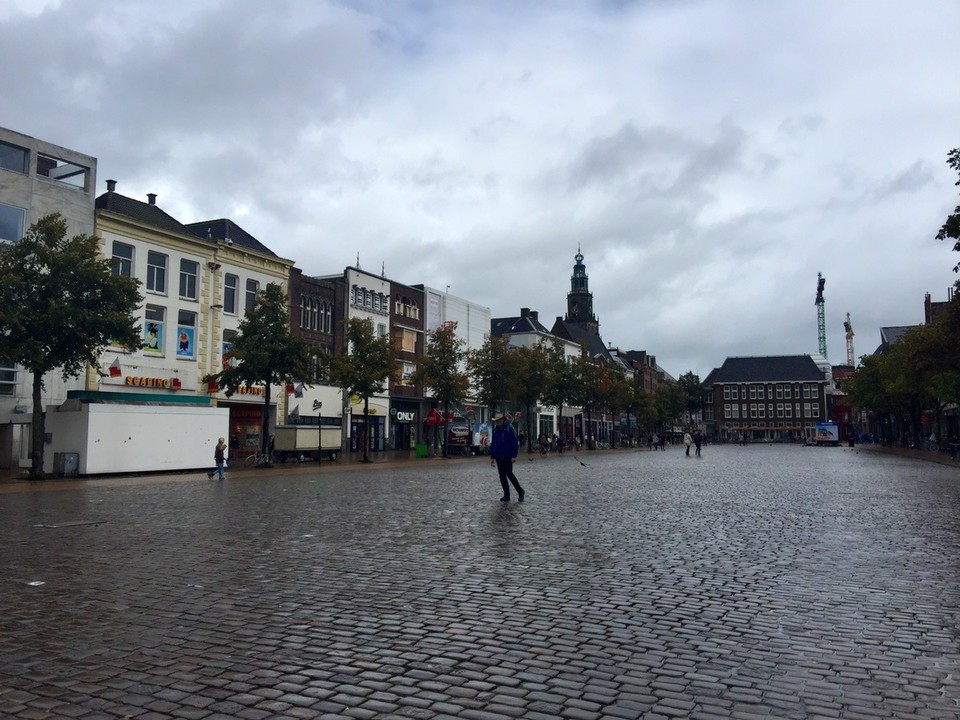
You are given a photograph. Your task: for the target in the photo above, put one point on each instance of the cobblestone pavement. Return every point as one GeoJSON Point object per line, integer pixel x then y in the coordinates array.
{"type": "Point", "coordinates": [757, 582]}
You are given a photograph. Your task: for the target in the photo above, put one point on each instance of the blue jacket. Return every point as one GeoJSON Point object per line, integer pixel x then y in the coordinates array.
{"type": "Point", "coordinates": [504, 444]}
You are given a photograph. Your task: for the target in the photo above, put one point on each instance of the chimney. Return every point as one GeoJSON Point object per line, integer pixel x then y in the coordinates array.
{"type": "Point", "coordinates": [111, 185]}
{"type": "Point", "coordinates": [535, 315]}
{"type": "Point", "coordinates": [152, 198]}
{"type": "Point", "coordinates": [524, 312]}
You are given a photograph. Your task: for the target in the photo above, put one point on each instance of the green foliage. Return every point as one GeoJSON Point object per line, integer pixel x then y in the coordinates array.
{"type": "Point", "coordinates": [689, 384]}
{"type": "Point", "coordinates": [60, 304]}
{"type": "Point", "coordinates": [920, 371]}
{"type": "Point", "coordinates": [267, 353]}
{"type": "Point", "coordinates": [441, 368]}
{"type": "Point", "coordinates": [561, 377]}
{"type": "Point", "coordinates": [533, 371]}
{"type": "Point", "coordinates": [366, 366]}
{"type": "Point", "coordinates": [951, 227]}
{"type": "Point", "coordinates": [671, 401]}
{"type": "Point", "coordinates": [494, 373]}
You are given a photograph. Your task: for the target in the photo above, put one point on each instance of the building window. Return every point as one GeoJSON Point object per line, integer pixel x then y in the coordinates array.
{"type": "Point", "coordinates": [381, 329]}
{"type": "Point", "coordinates": [122, 259]}
{"type": "Point", "coordinates": [405, 376]}
{"type": "Point", "coordinates": [230, 285]}
{"type": "Point", "coordinates": [156, 272]}
{"type": "Point", "coordinates": [186, 334]}
{"type": "Point", "coordinates": [253, 287]}
{"type": "Point", "coordinates": [326, 318]}
{"type": "Point", "coordinates": [753, 410]}
{"type": "Point", "coordinates": [227, 360]}
{"type": "Point", "coordinates": [62, 171]}
{"type": "Point", "coordinates": [753, 392]}
{"type": "Point", "coordinates": [779, 410]}
{"type": "Point", "coordinates": [13, 158]}
{"type": "Point", "coordinates": [8, 381]}
{"type": "Point", "coordinates": [153, 330]}
{"type": "Point", "coordinates": [762, 411]}
{"type": "Point", "coordinates": [11, 222]}
{"type": "Point", "coordinates": [408, 342]}
{"type": "Point", "coordinates": [736, 411]}
{"type": "Point", "coordinates": [189, 270]}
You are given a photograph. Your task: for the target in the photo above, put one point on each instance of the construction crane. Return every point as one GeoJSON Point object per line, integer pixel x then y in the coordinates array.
{"type": "Point", "coordinates": [849, 328]}
{"type": "Point", "coordinates": [821, 323]}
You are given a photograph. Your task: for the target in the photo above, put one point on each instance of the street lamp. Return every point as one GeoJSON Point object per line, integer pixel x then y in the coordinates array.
{"type": "Point", "coordinates": [317, 405]}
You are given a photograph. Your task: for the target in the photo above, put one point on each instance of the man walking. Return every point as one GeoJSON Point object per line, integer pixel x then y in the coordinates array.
{"type": "Point", "coordinates": [503, 451]}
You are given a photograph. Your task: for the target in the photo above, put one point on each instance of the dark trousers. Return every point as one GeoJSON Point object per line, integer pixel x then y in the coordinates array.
{"type": "Point", "coordinates": [505, 470]}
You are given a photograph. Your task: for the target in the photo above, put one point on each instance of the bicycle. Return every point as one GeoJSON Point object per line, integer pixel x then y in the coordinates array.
{"type": "Point", "coordinates": [259, 459]}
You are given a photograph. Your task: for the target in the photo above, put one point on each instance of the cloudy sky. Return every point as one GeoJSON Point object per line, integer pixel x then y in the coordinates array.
{"type": "Point", "coordinates": [708, 157]}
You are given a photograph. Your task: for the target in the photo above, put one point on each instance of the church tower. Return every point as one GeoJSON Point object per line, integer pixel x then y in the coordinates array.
{"type": "Point", "coordinates": [580, 299]}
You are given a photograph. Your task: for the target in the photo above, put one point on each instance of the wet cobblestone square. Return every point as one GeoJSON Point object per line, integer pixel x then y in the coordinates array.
{"type": "Point", "coordinates": [766, 581]}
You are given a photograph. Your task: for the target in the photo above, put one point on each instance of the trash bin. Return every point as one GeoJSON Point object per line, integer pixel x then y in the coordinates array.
{"type": "Point", "coordinates": [421, 450]}
{"type": "Point", "coordinates": [66, 464]}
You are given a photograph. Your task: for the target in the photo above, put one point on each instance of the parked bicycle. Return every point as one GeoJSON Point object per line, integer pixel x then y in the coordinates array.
{"type": "Point", "coordinates": [260, 459]}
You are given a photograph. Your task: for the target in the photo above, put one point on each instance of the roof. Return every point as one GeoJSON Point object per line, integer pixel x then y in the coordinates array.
{"type": "Point", "coordinates": [889, 335]}
{"type": "Point", "coordinates": [581, 335]}
{"type": "Point", "coordinates": [230, 233]}
{"type": "Point", "coordinates": [775, 368]}
{"type": "Point", "coordinates": [517, 326]}
{"type": "Point", "coordinates": [140, 211]}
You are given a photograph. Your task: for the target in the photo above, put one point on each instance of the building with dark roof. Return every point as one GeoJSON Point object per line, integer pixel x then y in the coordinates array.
{"type": "Point", "coordinates": [766, 398]}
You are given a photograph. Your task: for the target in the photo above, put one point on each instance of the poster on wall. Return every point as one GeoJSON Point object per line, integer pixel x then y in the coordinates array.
{"type": "Point", "coordinates": [186, 339]}
{"type": "Point", "coordinates": [153, 338]}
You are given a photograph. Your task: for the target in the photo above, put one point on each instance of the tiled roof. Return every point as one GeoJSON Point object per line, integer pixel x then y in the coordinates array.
{"type": "Point", "coordinates": [776, 368]}
{"type": "Point", "coordinates": [516, 326]}
{"type": "Point", "coordinates": [140, 211]}
{"type": "Point", "coordinates": [584, 336]}
{"type": "Point", "coordinates": [228, 231]}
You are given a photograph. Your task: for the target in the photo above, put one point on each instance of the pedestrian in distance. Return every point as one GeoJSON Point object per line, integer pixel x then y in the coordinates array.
{"type": "Point", "coordinates": [219, 457]}
{"type": "Point", "coordinates": [697, 440]}
{"type": "Point", "coordinates": [688, 441]}
{"type": "Point", "coordinates": [503, 452]}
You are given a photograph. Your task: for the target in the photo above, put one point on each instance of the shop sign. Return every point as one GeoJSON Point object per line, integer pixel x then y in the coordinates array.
{"type": "Point", "coordinates": [152, 382]}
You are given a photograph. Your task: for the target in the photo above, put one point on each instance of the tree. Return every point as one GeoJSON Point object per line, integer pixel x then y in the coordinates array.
{"type": "Point", "coordinates": [60, 305]}
{"type": "Point", "coordinates": [951, 227]}
{"type": "Point", "coordinates": [494, 373]}
{"type": "Point", "coordinates": [441, 369]}
{"type": "Point", "coordinates": [562, 380]}
{"type": "Point", "coordinates": [689, 384]}
{"type": "Point", "coordinates": [590, 393]}
{"type": "Point", "coordinates": [267, 353]}
{"type": "Point", "coordinates": [363, 370]}
{"type": "Point", "coordinates": [670, 402]}
{"type": "Point", "coordinates": [533, 373]}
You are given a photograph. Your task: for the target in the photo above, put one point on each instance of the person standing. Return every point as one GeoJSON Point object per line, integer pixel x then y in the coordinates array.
{"type": "Point", "coordinates": [503, 452]}
{"type": "Point", "coordinates": [688, 441]}
{"type": "Point", "coordinates": [697, 440]}
{"type": "Point", "coordinates": [219, 457]}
